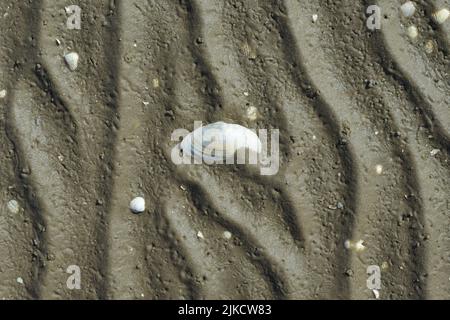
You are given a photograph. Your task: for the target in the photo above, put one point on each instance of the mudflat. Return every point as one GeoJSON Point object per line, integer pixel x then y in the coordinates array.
{"type": "Point", "coordinates": [364, 139]}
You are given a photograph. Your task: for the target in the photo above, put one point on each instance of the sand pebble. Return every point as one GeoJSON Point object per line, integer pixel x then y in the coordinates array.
{"type": "Point", "coordinates": [72, 60]}
{"type": "Point", "coordinates": [13, 206]}
{"type": "Point", "coordinates": [137, 205]}
{"type": "Point", "coordinates": [2, 94]}
{"type": "Point", "coordinates": [408, 9]}
{"type": "Point", "coordinates": [441, 15]}
{"type": "Point", "coordinates": [227, 235]}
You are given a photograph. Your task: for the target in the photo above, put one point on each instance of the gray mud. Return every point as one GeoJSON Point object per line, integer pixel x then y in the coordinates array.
{"type": "Point", "coordinates": [76, 147]}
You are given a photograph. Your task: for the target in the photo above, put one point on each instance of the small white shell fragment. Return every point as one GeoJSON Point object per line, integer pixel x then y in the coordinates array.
{"type": "Point", "coordinates": [379, 169]}
{"type": "Point", "coordinates": [347, 244]}
{"type": "Point", "coordinates": [58, 42]}
{"type": "Point", "coordinates": [441, 15]}
{"type": "Point", "coordinates": [413, 32]}
{"type": "Point", "coordinates": [246, 93]}
{"type": "Point", "coordinates": [252, 113]}
{"type": "Point", "coordinates": [200, 235]}
{"type": "Point", "coordinates": [315, 17]}
{"type": "Point", "coordinates": [2, 94]}
{"type": "Point", "coordinates": [72, 60]}
{"type": "Point", "coordinates": [434, 152]}
{"type": "Point", "coordinates": [13, 206]}
{"type": "Point", "coordinates": [137, 205]}
{"type": "Point", "coordinates": [359, 246]}
{"type": "Point", "coordinates": [155, 83]}
{"type": "Point", "coordinates": [408, 9]}
{"type": "Point", "coordinates": [429, 46]}
{"type": "Point", "coordinates": [376, 293]}
{"type": "Point", "coordinates": [227, 235]}
{"type": "Point", "coordinates": [19, 280]}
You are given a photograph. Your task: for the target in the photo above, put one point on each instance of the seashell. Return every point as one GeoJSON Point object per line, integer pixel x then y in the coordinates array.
{"type": "Point", "coordinates": [252, 113]}
{"type": "Point", "coordinates": [441, 15]}
{"type": "Point", "coordinates": [408, 9]}
{"type": "Point", "coordinates": [429, 46]}
{"type": "Point", "coordinates": [72, 60]}
{"type": "Point", "coordinates": [137, 205]}
{"type": "Point", "coordinates": [357, 246]}
{"type": "Point", "coordinates": [13, 206]}
{"type": "Point", "coordinates": [200, 235]}
{"type": "Point", "coordinates": [227, 235]}
{"type": "Point", "coordinates": [434, 152]}
{"type": "Point", "coordinates": [379, 169]}
{"type": "Point", "coordinates": [2, 94]}
{"type": "Point", "coordinates": [413, 32]}
{"type": "Point", "coordinates": [315, 17]}
{"type": "Point", "coordinates": [219, 141]}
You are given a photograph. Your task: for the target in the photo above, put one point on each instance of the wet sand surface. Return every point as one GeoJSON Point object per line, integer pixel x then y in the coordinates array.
{"type": "Point", "coordinates": [364, 123]}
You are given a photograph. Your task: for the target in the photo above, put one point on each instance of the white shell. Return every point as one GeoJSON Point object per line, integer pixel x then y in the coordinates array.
{"type": "Point", "coordinates": [227, 235]}
{"type": "Point", "coordinates": [200, 235]}
{"type": "Point", "coordinates": [413, 32]}
{"type": "Point", "coordinates": [408, 9]}
{"type": "Point", "coordinates": [2, 94]}
{"type": "Point", "coordinates": [13, 206]}
{"type": "Point", "coordinates": [252, 113]}
{"type": "Point", "coordinates": [434, 152]}
{"type": "Point", "coordinates": [72, 60]}
{"type": "Point", "coordinates": [137, 205]}
{"type": "Point", "coordinates": [218, 141]}
{"type": "Point", "coordinates": [348, 244]}
{"type": "Point", "coordinates": [315, 17]}
{"type": "Point", "coordinates": [441, 15]}
{"type": "Point", "coordinates": [379, 169]}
